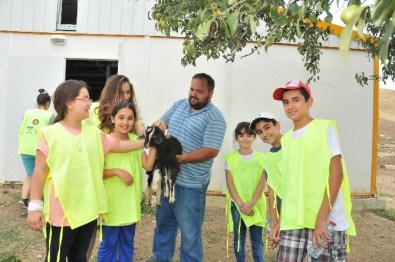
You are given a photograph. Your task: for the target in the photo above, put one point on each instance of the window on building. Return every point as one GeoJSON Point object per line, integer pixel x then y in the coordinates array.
{"type": "Point", "coordinates": [67, 15]}
{"type": "Point", "coordinates": [93, 72]}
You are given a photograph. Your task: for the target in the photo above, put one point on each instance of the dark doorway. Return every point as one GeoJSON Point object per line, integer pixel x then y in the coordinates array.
{"type": "Point", "coordinates": [93, 72]}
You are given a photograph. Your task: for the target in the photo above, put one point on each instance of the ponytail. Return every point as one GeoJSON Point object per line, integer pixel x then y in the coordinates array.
{"type": "Point", "coordinates": [43, 98]}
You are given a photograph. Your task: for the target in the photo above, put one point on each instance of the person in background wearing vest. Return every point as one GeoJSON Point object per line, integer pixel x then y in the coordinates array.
{"type": "Point", "coordinates": [69, 171]}
{"type": "Point", "coordinates": [28, 137]}
{"type": "Point", "coordinates": [246, 201]}
{"type": "Point", "coordinates": [267, 127]}
{"type": "Point", "coordinates": [315, 188]}
{"type": "Point", "coordinates": [123, 184]}
{"type": "Point", "coordinates": [200, 127]}
{"type": "Point", "coordinates": [117, 89]}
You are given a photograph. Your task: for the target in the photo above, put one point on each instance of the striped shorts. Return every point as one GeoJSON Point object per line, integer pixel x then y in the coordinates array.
{"type": "Point", "coordinates": [293, 246]}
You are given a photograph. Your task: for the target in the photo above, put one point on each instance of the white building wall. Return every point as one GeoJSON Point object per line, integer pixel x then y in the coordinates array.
{"type": "Point", "coordinates": [120, 30]}
{"type": "Point", "coordinates": [243, 89]}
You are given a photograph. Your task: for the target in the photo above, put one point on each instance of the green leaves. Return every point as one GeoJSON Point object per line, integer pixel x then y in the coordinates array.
{"type": "Point", "coordinates": [231, 24]}
{"type": "Point", "coordinates": [346, 36]}
{"type": "Point", "coordinates": [382, 11]}
{"type": "Point", "coordinates": [203, 29]}
{"type": "Point", "coordinates": [383, 14]}
{"type": "Point", "coordinates": [385, 41]}
{"type": "Point", "coordinates": [215, 28]}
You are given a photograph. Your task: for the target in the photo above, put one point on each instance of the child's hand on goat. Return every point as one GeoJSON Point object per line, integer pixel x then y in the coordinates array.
{"type": "Point", "coordinates": [161, 124]}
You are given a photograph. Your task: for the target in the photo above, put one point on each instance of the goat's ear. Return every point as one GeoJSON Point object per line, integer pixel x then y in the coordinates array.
{"type": "Point", "coordinates": [158, 139]}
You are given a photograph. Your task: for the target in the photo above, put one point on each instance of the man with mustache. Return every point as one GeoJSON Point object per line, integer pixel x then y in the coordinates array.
{"type": "Point", "coordinates": [200, 127]}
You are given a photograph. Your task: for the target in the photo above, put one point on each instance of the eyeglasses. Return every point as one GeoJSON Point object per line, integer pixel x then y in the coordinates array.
{"type": "Point", "coordinates": [86, 99]}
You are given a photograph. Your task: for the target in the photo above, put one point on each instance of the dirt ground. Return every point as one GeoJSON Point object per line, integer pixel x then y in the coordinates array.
{"type": "Point", "coordinates": [374, 242]}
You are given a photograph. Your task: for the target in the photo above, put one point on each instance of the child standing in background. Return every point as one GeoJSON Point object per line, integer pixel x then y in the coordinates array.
{"type": "Point", "coordinates": [123, 184]}
{"type": "Point", "coordinates": [246, 203]}
{"type": "Point", "coordinates": [117, 89]}
{"type": "Point", "coordinates": [69, 171]}
{"type": "Point", "coordinates": [28, 137]}
{"type": "Point", "coordinates": [267, 127]}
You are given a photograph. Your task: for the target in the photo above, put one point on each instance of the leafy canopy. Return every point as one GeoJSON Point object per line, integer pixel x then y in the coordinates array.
{"type": "Point", "coordinates": [219, 28]}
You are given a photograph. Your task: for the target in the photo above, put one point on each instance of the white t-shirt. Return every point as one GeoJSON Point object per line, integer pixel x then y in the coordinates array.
{"type": "Point", "coordinates": [338, 211]}
{"type": "Point", "coordinates": [244, 157]}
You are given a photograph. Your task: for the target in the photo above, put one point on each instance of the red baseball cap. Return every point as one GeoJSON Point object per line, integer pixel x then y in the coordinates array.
{"type": "Point", "coordinates": [290, 85]}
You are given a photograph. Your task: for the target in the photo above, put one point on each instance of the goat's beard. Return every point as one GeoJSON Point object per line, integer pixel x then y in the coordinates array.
{"type": "Point", "coordinates": [198, 105]}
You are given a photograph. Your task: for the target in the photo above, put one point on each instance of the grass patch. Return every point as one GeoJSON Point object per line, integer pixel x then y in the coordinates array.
{"type": "Point", "coordinates": [386, 195]}
{"type": "Point", "coordinates": [146, 209]}
{"type": "Point", "coordinates": [10, 235]}
{"type": "Point", "coordinates": [6, 257]}
{"type": "Point", "coordinates": [386, 213]}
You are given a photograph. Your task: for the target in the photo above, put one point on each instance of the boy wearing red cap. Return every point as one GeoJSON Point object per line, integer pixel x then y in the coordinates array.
{"type": "Point", "coordinates": [315, 188]}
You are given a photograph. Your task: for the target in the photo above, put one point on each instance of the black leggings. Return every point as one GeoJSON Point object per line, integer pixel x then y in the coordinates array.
{"type": "Point", "coordinates": [74, 244]}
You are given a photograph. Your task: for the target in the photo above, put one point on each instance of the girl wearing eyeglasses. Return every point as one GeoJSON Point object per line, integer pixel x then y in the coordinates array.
{"type": "Point", "coordinates": [69, 172]}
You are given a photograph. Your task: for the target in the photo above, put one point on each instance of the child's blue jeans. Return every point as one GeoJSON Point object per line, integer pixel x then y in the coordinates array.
{"type": "Point", "coordinates": [255, 237]}
{"type": "Point", "coordinates": [117, 244]}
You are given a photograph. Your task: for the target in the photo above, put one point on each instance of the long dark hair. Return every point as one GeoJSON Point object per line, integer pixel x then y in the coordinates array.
{"type": "Point", "coordinates": [110, 96]}
{"type": "Point", "coordinates": [66, 91]}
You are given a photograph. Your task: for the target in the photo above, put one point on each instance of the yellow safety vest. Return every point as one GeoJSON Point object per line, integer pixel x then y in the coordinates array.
{"type": "Point", "coordinates": [29, 134]}
{"type": "Point", "coordinates": [93, 119]}
{"type": "Point", "coordinates": [305, 175]}
{"type": "Point", "coordinates": [124, 202]}
{"type": "Point", "coordinates": [76, 170]}
{"type": "Point", "coordinates": [246, 175]}
{"type": "Point", "coordinates": [273, 171]}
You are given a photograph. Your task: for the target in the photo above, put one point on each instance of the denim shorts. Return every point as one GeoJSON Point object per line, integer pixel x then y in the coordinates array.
{"type": "Point", "coordinates": [28, 162]}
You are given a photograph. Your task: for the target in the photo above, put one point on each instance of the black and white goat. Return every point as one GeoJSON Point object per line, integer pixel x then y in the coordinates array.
{"type": "Point", "coordinates": [167, 147]}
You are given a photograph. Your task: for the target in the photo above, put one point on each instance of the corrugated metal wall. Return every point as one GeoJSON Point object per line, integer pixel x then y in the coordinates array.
{"type": "Point", "coordinates": [33, 15]}
{"type": "Point", "coordinates": [94, 16]}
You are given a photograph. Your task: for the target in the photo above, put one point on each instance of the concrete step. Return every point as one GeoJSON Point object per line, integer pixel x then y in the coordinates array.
{"type": "Point", "coordinates": [386, 145]}
{"type": "Point", "coordinates": [385, 154]}
{"type": "Point", "coordinates": [392, 167]}
{"type": "Point", "coordinates": [368, 203]}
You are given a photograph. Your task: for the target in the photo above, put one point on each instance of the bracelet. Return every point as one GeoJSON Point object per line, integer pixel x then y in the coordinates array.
{"type": "Point", "coordinates": [35, 205]}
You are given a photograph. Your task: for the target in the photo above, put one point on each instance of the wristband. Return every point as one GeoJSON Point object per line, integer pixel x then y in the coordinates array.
{"type": "Point", "coordinates": [35, 205]}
